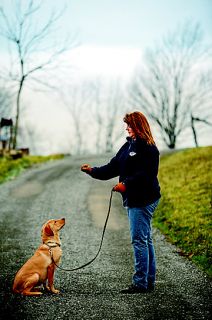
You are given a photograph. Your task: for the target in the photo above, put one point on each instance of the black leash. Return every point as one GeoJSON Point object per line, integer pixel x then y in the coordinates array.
{"type": "Point", "coordinates": [103, 233]}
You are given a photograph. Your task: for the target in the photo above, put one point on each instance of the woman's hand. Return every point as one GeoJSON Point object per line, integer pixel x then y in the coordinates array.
{"type": "Point", "coordinates": [86, 168]}
{"type": "Point", "coordinates": [120, 187]}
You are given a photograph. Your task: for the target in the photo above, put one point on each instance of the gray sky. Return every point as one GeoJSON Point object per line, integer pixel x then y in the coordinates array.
{"type": "Point", "coordinates": [134, 23]}
{"type": "Point", "coordinates": [112, 34]}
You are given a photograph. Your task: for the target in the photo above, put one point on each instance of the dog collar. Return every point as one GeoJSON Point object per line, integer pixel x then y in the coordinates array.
{"type": "Point", "coordinates": [52, 244]}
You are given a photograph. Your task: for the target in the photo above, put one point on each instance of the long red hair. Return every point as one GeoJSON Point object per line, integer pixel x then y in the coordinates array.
{"type": "Point", "coordinates": [139, 124]}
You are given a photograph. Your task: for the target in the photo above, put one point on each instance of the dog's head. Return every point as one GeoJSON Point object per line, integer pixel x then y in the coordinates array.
{"type": "Point", "coordinates": [51, 229]}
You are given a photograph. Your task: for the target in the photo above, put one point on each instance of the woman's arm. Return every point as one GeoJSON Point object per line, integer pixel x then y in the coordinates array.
{"type": "Point", "coordinates": [107, 171]}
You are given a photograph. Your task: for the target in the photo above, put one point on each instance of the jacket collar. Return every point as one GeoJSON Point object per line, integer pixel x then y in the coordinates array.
{"type": "Point", "coordinates": [129, 139]}
{"type": "Point", "coordinates": [138, 142]}
{"type": "Point", "coordinates": [137, 139]}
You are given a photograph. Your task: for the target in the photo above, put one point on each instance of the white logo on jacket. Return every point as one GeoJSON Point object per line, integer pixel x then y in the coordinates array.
{"type": "Point", "coordinates": [132, 153]}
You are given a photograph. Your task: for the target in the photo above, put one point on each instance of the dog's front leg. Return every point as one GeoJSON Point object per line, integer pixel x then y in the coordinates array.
{"type": "Point", "coordinates": [50, 276]}
{"type": "Point", "coordinates": [45, 286]}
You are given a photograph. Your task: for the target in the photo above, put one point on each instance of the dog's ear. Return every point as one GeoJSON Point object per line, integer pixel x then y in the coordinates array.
{"type": "Point", "coordinates": [48, 231]}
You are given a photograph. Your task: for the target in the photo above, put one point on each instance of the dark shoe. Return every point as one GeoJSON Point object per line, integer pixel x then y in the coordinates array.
{"type": "Point", "coordinates": [134, 289]}
{"type": "Point", "coordinates": [151, 287]}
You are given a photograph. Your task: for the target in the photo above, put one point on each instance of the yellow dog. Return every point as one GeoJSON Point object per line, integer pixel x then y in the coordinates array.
{"type": "Point", "coordinates": [40, 267]}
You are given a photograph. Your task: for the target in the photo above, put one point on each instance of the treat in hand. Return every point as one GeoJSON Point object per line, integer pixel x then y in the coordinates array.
{"type": "Point", "coordinates": [86, 168]}
{"type": "Point", "coordinates": [120, 187]}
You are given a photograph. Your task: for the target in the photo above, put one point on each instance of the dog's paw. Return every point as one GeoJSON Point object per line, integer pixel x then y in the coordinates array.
{"type": "Point", "coordinates": [47, 288]}
{"type": "Point", "coordinates": [55, 291]}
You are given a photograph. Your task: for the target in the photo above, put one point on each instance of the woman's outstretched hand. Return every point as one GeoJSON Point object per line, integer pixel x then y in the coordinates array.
{"type": "Point", "coordinates": [86, 168]}
{"type": "Point", "coordinates": [120, 187]}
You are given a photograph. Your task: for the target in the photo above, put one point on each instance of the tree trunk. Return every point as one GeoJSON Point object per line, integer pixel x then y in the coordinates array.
{"type": "Point", "coordinates": [194, 131]}
{"type": "Point", "coordinates": [15, 132]}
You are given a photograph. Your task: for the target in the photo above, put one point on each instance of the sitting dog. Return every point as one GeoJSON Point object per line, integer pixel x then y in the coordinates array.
{"type": "Point", "coordinates": [40, 267]}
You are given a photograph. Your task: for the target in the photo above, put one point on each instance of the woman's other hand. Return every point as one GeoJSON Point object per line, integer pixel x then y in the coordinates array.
{"type": "Point", "coordinates": [120, 187]}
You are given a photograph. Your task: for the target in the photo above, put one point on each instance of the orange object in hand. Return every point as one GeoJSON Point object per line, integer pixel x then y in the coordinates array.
{"type": "Point", "coordinates": [120, 187]}
{"type": "Point", "coordinates": [86, 168]}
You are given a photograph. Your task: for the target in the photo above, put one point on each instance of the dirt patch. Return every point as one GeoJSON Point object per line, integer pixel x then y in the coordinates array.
{"type": "Point", "coordinates": [28, 189]}
{"type": "Point", "coordinates": [98, 203]}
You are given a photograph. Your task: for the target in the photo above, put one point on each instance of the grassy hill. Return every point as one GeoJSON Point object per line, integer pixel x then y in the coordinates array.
{"type": "Point", "coordinates": [184, 214]}
{"type": "Point", "coordinates": [10, 168]}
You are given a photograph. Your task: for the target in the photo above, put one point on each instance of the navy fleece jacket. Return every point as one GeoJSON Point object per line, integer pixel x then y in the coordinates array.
{"type": "Point", "coordinates": [136, 164]}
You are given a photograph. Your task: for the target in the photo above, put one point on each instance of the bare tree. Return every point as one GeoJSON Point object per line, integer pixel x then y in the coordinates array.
{"type": "Point", "coordinates": [114, 114]}
{"type": "Point", "coordinates": [96, 87]}
{"type": "Point", "coordinates": [107, 107]}
{"type": "Point", "coordinates": [5, 102]}
{"type": "Point", "coordinates": [34, 49]}
{"type": "Point", "coordinates": [96, 106]}
{"type": "Point", "coordinates": [76, 102]}
{"type": "Point", "coordinates": [194, 131]}
{"type": "Point", "coordinates": [173, 83]}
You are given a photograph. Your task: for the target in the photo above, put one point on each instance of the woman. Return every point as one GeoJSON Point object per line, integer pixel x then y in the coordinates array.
{"type": "Point", "coordinates": [136, 164]}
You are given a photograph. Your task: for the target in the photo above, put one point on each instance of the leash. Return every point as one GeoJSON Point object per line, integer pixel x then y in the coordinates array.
{"type": "Point", "coordinates": [100, 246]}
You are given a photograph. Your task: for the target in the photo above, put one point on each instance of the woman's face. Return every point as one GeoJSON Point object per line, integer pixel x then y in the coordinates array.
{"type": "Point", "coordinates": [130, 131]}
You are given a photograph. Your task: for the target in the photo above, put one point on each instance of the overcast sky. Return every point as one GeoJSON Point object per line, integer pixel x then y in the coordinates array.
{"type": "Point", "coordinates": [134, 23]}
{"type": "Point", "coordinates": [113, 34]}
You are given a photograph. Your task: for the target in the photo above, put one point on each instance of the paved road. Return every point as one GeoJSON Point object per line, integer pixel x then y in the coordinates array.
{"type": "Point", "coordinates": [59, 189]}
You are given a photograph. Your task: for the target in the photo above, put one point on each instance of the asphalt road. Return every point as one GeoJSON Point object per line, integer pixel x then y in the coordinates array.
{"type": "Point", "coordinates": [59, 189]}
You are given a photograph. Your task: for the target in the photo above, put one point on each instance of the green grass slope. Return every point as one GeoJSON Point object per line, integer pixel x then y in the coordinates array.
{"type": "Point", "coordinates": [185, 210]}
{"type": "Point", "coordinates": [10, 168]}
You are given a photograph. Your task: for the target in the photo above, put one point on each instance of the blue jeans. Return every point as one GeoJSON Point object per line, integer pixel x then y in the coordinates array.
{"type": "Point", "coordinates": [144, 253]}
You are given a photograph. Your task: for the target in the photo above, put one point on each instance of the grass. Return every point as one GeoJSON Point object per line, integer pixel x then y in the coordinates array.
{"type": "Point", "coordinates": [185, 210]}
{"type": "Point", "coordinates": [10, 168]}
